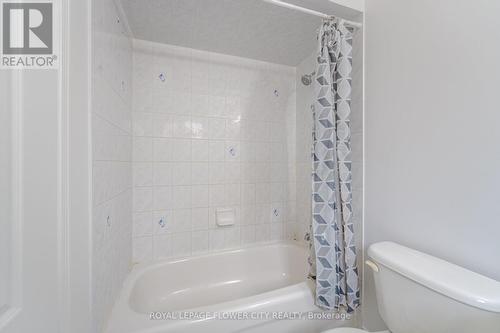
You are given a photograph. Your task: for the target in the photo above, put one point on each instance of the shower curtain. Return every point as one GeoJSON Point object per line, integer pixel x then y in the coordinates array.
{"type": "Point", "coordinates": [333, 251]}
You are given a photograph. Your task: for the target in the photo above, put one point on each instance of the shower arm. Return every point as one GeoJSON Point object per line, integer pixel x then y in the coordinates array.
{"type": "Point", "coordinates": [310, 12]}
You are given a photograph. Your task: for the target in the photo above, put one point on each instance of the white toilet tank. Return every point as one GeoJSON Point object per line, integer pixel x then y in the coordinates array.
{"type": "Point", "coordinates": [418, 293]}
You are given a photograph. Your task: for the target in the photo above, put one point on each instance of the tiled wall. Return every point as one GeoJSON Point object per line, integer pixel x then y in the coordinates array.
{"type": "Point", "coordinates": [304, 120]}
{"type": "Point", "coordinates": [112, 155]}
{"type": "Point", "coordinates": [210, 131]}
{"type": "Point", "coordinates": [303, 146]}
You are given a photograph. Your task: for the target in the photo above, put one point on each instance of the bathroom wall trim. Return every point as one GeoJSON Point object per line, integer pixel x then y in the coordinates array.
{"type": "Point", "coordinates": [76, 166]}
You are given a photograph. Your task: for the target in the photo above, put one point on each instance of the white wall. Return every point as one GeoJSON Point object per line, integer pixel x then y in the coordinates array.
{"type": "Point", "coordinates": [5, 185]}
{"type": "Point", "coordinates": [183, 131]}
{"type": "Point", "coordinates": [432, 137]}
{"type": "Point", "coordinates": [356, 5]}
{"type": "Point", "coordinates": [112, 158]}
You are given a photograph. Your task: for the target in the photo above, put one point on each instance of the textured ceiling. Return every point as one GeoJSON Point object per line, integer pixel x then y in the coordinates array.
{"type": "Point", "coordinates": [246, 28]}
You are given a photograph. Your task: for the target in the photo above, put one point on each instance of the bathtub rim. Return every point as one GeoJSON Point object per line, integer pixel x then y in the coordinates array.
{"type": "Point", "coordinates": [123, 312]}
{"type": "Point", "coordinates": [138, 269]}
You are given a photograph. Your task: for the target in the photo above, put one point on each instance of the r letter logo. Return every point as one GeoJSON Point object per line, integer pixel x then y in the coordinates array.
{"type": "Point", "coordinates": [27, 35]}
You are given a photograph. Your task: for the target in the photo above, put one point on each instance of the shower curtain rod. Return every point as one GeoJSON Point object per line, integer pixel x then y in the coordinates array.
{"type": "Point", "coordinates": [309, 11]}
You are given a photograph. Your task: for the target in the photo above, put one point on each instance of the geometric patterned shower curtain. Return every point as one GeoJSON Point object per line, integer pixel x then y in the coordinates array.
{"type": "Point", "coordinates": [333, 256]}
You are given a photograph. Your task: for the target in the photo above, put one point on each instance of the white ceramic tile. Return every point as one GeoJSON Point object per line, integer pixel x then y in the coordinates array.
{"type": "Point", "coordinates": [200, 105]}
{"type": "Point", "coordinates": [277, 152]}
{"type": "Point", "coordinates": [217, 173]}
{"type": "Point", "coordinates": [143, 198]}
{"type": "Point", "coordinates": [217, 151]}
{"type": "Point", "coordinates": [262, 172]}
{"type": "Point", "coordinates": [162, 149]}
{"type": "Point", "coordinates": [248, 194]}
{"type": "Point", "coordinates": [217, 128]}
{"type": "Point", "coordinates": [290, 214]}
{"type": "Point", "coordinates": [276, 231]}
{"type": "Point", "coordinates": [142, 224]}
{"type": "Point", "coordinates": [199, 150]}
{"type": "Point", "coordinates": [199, 173]}
{"type": "Point", "coordinates": [277, 192]}
{"type": "Point", "coordinates": [216, 195]}
{"type": "Point", "coordinates": [232, 194]}
{"type": "Point", "coordinates": [248, 214]}
{"type": "Point", "coordinates": [232, 237]}
{"type": "Point", "coordinates": [142, 124]}
{"type": "Point", "coordinates": [163, 198]}
{"type": "Point", "coordinates": [248, 173]}
{"type": "Point", "coordinates": [233, 172]}
{"type": "Point", "coordinates": [262, 232]}
{"type": "Point", "coordinates": [181, 197]}
{"type": "Point", "coordinates": [162, 125]}
{"type": "Point", "coordinates": [217, 76]}
{"type": "Point", "coordinates": [200, 127]}
{"type": "Point", "coordinates": [143, 248]}
{"type": "Point", "coordinates": [277, 131]}
{"type": "Point", "coordinates": [109, 141]}
{"type": "Point", "coordinates": [262, 192]}
{"type": "Point", "coordinates": [216, 106]}
{"type": "Point", "coordinates": [199, 218]}
{"type": "Point", "coordinates": [162, 246]}
{"type": "Point", "coordinates": [277, 172]}
{"type": "Point", "coordinates": [110, 178]}
{"type": "Point", "coordinates": [182, 126]}
{"type": "Point", "coordinates": [143, 174]}
{"type": "Point", "coordinates": [142, 83]}
{"type": "Point", "coordinates": [162, 174]}
{"type": "Point", "coordinates": [181, 150]}
{"type": "Point", "coordinates": [181, 220]}
{"type": "Point", "coordinates": [247, 151]}
{"type": "Point", "coordinates": [262, 131]}
{"type": "Point", "coordinates": [200, 80]}
{"type": "Point", "coordinates": [248, 234]}
{"type": "Point", "coordinates": [216, 239]}
{"type": "Point", "coordinates": [262, 213]}
{"type": "Point", "coordinates": [142, 149]}
{"type": "Point", "coordinates": [181, 173]}
{"type": "Point", "coordinates": [181, 244]}
{"type": "Point", "coordinates": [199, 242]}
{"type": "Point", "coordinates": [233, 129]}
{"type": "Point", "coordinates": [199, 196]}
{"type": "Point", "coordinates": [233, 107]}
{"type": "Point", "coordinates": [262, 152]}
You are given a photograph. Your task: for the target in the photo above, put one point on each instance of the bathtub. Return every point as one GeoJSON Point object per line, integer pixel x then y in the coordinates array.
{"type": "Point", "coordinates": [262, 288]}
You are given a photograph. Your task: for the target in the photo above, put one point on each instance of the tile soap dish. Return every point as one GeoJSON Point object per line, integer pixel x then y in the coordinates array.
{"type": "Point", "coordinates": [225, 216]}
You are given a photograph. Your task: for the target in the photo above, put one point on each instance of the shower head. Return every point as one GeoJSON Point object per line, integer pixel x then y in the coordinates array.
{"type": "Point", "coordinates": [307, 78]}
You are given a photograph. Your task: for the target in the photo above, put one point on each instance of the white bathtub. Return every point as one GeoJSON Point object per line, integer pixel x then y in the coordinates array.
{"type": "Point", "coordinates": [257, 284]}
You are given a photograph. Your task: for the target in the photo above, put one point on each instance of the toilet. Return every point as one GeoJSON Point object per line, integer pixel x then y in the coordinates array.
{"type": "Point", "coordinates": [418, 293]}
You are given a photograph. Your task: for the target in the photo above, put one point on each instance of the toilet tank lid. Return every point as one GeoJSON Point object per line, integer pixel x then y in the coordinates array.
{"type": "Point", "coordinates": [439, 275]}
